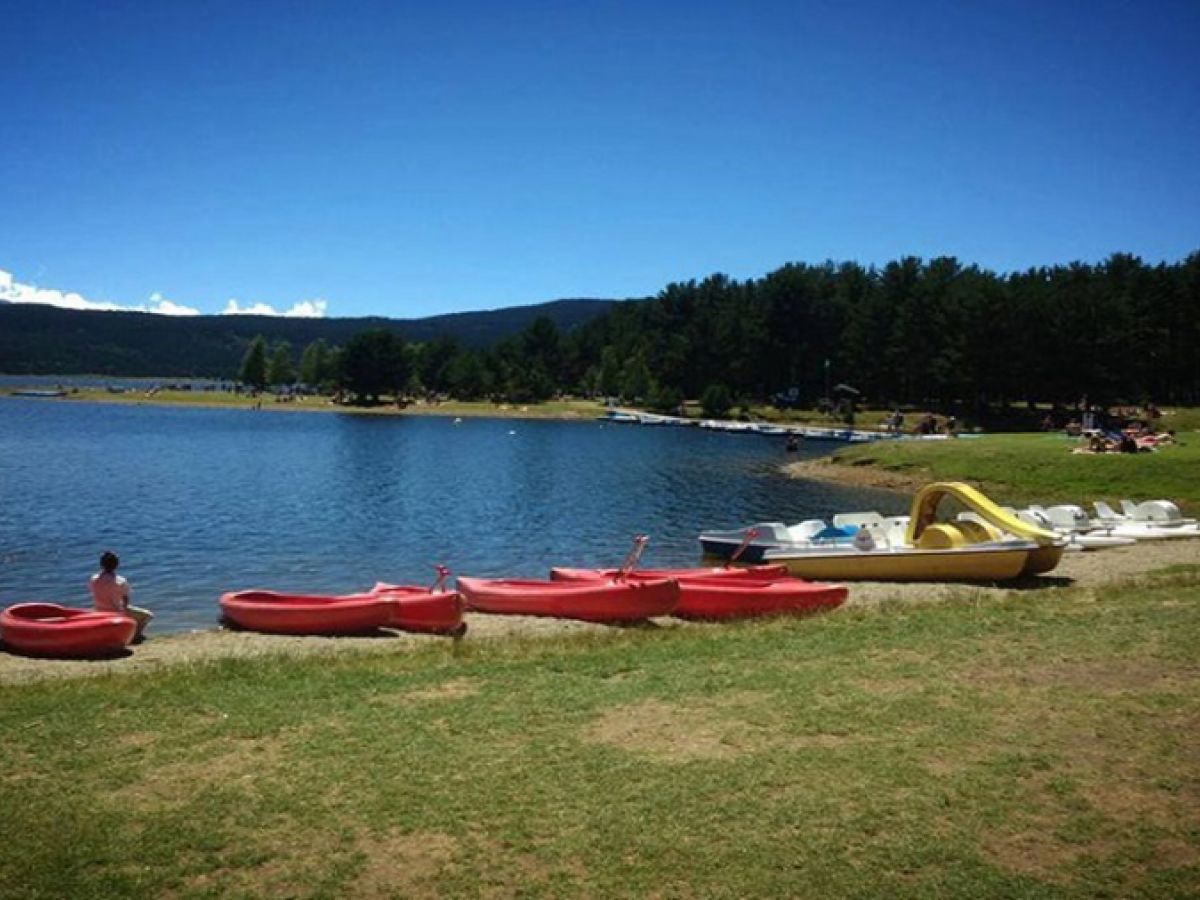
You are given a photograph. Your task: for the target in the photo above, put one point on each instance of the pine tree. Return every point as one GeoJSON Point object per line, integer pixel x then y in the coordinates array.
{"type": "Point", "coordinates": [280, 370]}
{"type": "Point", "coordinates": [254, 364]}
{"type": "Point", "coordinates": [314, 364]}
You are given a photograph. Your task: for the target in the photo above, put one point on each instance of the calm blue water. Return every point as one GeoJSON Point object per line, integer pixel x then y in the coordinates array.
{"type": "Point", "coordinates": [197, 502]}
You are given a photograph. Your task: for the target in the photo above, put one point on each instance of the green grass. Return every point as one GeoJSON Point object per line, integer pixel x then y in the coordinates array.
{"type": "Point", "coordinates": [1041, 744]}
{"type": "Point", "coordinates": [1023, 468]}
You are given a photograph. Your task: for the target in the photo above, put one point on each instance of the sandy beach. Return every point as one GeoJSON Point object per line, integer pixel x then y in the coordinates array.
{"type": "Point", "coordinates": [1090, 570]}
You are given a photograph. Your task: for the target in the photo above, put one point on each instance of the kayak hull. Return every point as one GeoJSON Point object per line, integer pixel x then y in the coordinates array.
{"type": "Point", "coordinates": [278, 613]}
{"type": "Point", "coordinates": [709, 600]}
{"type": "Point", "coordinates": [994, 563]}
{"type": "Point", "coordinates": [1043, 559]}
{"type": "Point", "coordinates": [593, 601]}
{"type": "Point", "coordinates": [48, 629]}
{"type": "Point", "coordinates": [395, 606]}
{"type": "Point", "coordinates": [717, 597]}
{"type": "Point", "coordinates": [423, 611]}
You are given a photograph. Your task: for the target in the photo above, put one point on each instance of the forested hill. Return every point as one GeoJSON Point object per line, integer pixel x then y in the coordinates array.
{"type": "Point", "coordinates": [908, 332]}
{"type": "Point", "coordinates": [36, 339]}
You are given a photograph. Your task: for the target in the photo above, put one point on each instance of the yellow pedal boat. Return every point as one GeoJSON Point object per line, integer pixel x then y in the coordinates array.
{"type": "Point", "coordinates": [1001, 547]}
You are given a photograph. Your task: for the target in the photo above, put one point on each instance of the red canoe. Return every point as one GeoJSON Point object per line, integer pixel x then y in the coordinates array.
{"type": "Point", "coordinates": [405, 608]}
{"type": "Point", "coordinates": [591, 601]}
{"type": "Point", "coordinates": [47, 629]}
{"type": "Point", "coordinates": [764, 573]}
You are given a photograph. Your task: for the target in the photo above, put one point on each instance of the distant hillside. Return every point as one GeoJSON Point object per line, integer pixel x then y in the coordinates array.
{"type": "Point", "coordinates": [46, 340]}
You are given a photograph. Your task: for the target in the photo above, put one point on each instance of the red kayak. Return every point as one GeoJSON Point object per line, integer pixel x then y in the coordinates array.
{"type": "Point", "coordinates": [725, 596]}
{"type": "Point", "coordinates": [277, 613]}
{"type": "Point", "coordinates": [761, 573]}
{"type": "Point", "coordinates": [47, 629]}
{"type": "Point", "coordinates": [420, 609]}
{"type": "Point", "coordinates": [591, 601]}
{"type": "Point", "coordinates": [386, 606]}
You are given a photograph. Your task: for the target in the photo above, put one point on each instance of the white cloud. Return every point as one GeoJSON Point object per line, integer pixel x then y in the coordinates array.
{"type": "Point", "coordinates": [16, 292]}
{"type": "Point", "coordinates": [165, 307]}
{"type": "Point", "coordinates": [305, 309]}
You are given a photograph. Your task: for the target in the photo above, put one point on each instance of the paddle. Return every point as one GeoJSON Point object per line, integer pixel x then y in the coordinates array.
{"type": "Point", "coordinates": [751, 534]}
{"type": "Point", "coordinates": [439, 586]}
{"type": "Point", "coordinates": [631, 560]}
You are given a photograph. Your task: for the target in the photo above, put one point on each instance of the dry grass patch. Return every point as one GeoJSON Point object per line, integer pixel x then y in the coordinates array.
{"type": "Point", "coordinates": [1092, 794]}
{"type": "Point", "coordinates": [1114, 676]}
{"type": "Point", "coordinates": [890, 687]}
{"type": "Point", "coordinates": [722, 728]}
{"type": "Point", "coordinates": [669, 731]}
{"type": "Point", "coordinates": [454, 689]}
{"type": "Point", "coordinates": [515, 872]}
{"type": "Point", "coordinates": [898, 657]}
{"type": "Point", "coordinates": [244, 763]}
{"type": "Point", "coordinates": [272, 861]}
{"type": "Point", "coordinates": [405, 864]}
{"type": "Point", "coordinates": [240, 762]}
{"type": "Point", "coordinates": [1035, 849]}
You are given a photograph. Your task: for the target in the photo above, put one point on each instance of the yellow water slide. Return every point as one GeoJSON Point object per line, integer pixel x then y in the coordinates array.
{"type": "Point", "coordinates": [924, 515]}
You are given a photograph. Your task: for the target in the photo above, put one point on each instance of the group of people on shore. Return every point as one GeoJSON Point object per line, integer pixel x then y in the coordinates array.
{"type": "Point", "coordinates": [1126, 441]}
{"type": "Point", "coordinates": [1120, 430]}
{"type": "Point", "coordinates": [928, 424]}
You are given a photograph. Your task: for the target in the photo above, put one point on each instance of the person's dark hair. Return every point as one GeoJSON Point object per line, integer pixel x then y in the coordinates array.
{"type": "Point", "coordinates": [109, 561]}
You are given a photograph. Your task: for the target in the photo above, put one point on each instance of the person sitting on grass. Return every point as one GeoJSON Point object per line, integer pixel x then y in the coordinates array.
{"type": "Point", "coordinates": [110, 592]}
{"type": "Point", "coordinates": [1097, 443]}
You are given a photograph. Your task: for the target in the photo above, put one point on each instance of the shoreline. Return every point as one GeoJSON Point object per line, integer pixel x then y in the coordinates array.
{"type": "Point", "coordinates": [197, 400]}
{"type": "Point", "coordinates": [824, 468]}
{"type": "Point", "coordinates": [1090, 571]}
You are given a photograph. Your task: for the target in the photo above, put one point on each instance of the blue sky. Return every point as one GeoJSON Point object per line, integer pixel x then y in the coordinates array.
{"type": "Point", "coordinates": [409, 159]}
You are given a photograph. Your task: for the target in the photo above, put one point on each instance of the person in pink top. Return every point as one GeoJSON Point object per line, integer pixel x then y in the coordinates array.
{"type": "Point", "coordinates": [110, 592]}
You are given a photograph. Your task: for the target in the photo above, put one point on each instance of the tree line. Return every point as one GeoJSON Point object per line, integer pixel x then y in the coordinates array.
{"type": "Point", "coordinates": [934, 332]}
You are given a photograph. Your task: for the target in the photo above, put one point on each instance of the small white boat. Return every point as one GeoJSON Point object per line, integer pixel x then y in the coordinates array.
{"type": "Point", "coordinates": [749, 544]}
{"type": "Point", "coordinates": [620, 418]}
{"type": "Point", "coordinates": [1155, 512]}
{"type": "Point", "coordinates": [772, 430]}
{"type": "Point", "coordinates": [42, 394]}
{"type": "Point", "coordinates": [1154, 520]}
{"type": "Point", "coordinates": [1079, 536]}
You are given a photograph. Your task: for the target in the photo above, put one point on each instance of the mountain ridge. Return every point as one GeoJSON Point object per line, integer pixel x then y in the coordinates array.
{"type": "Point", "coordinates": [37, 339]}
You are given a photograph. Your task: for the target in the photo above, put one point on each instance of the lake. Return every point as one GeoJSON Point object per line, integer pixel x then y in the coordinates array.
{"type": "Point", "coordinates": [197, 502]}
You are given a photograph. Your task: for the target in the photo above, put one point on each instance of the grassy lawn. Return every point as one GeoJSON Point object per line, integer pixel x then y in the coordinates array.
{"type": "Point", "coordinates": [1177, 419]}
{"type": "Point", "coordinates": [1024, 468]}
{"type": "Point", "coordinates": [1041, 744]}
